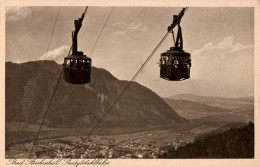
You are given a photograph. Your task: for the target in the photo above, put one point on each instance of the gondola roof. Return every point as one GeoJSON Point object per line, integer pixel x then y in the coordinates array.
{"type": "Point", "coordinates": [84, 57]}
{"type": "Point", "coordinates": [174, 51]}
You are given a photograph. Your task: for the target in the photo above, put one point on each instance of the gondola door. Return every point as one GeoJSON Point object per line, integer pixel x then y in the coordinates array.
{"type": "Point", "coordinates": [168, 70]}
{"type": "Point", "coordinates": [163, 66]}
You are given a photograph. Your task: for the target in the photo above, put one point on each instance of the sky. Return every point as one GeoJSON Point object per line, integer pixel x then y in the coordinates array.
{"type": "Point", "coordinates": [220, 40]}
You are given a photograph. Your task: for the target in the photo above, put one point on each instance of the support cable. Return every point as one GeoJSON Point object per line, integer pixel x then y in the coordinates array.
{"type": "Point", "coordinates": [43, 65]}
{"type": "Point", "coordinates": [49, 104]}
{"type": "Point", "coordinates": [128, 85]}
{"type": "Point", "coordinates": [39, 81]}
{"type": "Point", "coordinates": [101, 31]}
{"type": "Point", "coordinates": [130, 82]}
{"type": "Point", "coordinates": [54, 91]}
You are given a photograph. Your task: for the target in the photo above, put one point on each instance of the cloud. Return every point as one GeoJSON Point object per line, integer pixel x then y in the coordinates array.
{"type": "Point", "coordinates": [57, 54]}
{"type": "Point", "coordinates": [122, 28]}
{"type": "Point", "coordinates": [226, 44]}
{"type": "Point", "coordinates": [15, 13]}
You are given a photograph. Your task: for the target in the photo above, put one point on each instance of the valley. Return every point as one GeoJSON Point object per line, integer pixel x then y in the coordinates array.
{"type": "Point", "coordinates": [142, 125]}
{"type": "Point", "coordinates": [145, 144]}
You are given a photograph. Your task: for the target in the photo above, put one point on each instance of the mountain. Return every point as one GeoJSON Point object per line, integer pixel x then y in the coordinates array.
{"type": "Point", "coordinates": [29, 87]}
{"type": "Point", "coordinates": [205, 109]}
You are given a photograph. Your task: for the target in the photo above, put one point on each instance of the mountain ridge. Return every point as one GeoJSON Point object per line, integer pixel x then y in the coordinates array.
{"type": "Point", "coordinates": [29, 86]}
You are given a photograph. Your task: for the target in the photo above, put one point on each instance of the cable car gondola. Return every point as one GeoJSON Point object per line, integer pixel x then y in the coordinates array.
{"type": "Point", "coordinates": [77, 66]}
{"type": "Point", "coordinates": [175, 63]}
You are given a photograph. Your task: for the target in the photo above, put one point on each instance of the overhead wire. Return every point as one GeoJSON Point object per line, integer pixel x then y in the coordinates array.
{"type": "Point", "coordinates": [101, 31]}
{"type": "Point", "coordinates": [39, 80]}
{"type": "Point", "coordinates": [46, 112]}
{"type": "Point", "coordinates": [127, 86]}
{"type": "Point", "coordinates": [130, 82]}
{"type": "Point", "coordinates": [43, 65]}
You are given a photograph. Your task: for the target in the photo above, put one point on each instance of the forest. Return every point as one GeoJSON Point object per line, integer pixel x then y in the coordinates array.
{"type": "Point", "coordinates": [234, 143]}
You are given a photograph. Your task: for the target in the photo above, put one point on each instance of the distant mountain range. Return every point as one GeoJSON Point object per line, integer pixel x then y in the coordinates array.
{"type": "Point", "coordinates": [213, 109]}
{"type": "Point", "coordinates": [29, 87]}
{"type": "Point", "coordinates": [214, 101]}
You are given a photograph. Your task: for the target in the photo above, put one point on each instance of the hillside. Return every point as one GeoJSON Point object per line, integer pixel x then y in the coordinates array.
{"type": "Point", "coordinates": [30, 85]}
{"type": "Point", "coordinates": [219, 130]}
{"type": "Point", "coordinates": [233, 143]}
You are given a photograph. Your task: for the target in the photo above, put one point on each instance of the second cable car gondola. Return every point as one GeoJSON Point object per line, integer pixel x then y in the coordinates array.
{"type": "Point", "coordinates": [77, 66]}
{"type": "Point", "coordinates": [175, 63]}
